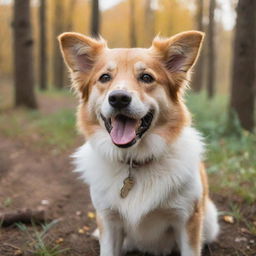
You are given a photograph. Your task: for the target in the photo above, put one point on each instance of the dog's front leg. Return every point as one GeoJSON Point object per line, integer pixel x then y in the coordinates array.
{"type": "Point", "coordinates": [190, 235]}
{"type": "Point", "coordinates": [186, 246]}
{"type": "Point", "coordinates": [111, 233]}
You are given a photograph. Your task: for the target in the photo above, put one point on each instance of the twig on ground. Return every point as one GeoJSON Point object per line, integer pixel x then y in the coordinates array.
{"type": "Point", "coordinates": [23, 216]}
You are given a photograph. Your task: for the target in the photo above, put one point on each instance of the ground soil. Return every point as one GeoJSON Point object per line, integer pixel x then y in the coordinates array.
{"type": "Point", "coordinates": [32, 177]}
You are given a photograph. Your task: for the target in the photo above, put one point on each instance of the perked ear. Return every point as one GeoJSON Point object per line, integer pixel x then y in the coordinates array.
{"type": "Point", "coordinates": [179, 52]}
{"type": "Point", "coordinates": [79, 51]}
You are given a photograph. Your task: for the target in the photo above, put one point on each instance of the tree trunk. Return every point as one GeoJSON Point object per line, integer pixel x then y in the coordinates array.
{"type": "Point", "coordinates": [244, 65]}
{"type": "Point", "coordinates": [95, 18]}
{"type": "Point", "coordinates": [199, 69]}
{"type": "Point", "coordinates": [71, 7]}
{"type": "Point", "coordinates": [42, 46]}
{"type": "Point", "coordinates": [58, 65]}
{"type": "Point", "coordinates": [133, 39]}
{"type": "Point", "coordinates": [211, 51]}
{"type": "Point", "coordinates": [23, 55]}
{"type": "Point", "coordinates": [149, 21]}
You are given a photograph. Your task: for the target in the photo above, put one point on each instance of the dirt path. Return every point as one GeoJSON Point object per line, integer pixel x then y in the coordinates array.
{"type": "Point", "coordinates": [28, 177]}
{"type": "Point", "coordinates": [32, 179]}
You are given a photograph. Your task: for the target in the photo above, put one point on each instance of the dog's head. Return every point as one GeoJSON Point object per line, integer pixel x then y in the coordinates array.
{"type": "Point", "coordinates": [130, 93]}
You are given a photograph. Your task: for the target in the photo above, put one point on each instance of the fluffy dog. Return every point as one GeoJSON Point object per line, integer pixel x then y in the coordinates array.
{"type": "Point", "coordinates": [142, 159]}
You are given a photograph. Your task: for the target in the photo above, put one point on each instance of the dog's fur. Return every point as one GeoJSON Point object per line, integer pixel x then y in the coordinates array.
{"type": "Point", "coordinates": [168, 208]}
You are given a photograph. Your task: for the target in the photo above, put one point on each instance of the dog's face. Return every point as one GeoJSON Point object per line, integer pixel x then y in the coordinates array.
{"type": "Point", "coordinates": [131, 92]}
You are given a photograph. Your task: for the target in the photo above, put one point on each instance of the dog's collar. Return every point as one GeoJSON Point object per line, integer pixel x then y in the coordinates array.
{"type": "Point", "coordinates": [129, 182]}
{"type": "Point", "coordinates": [137, 164]}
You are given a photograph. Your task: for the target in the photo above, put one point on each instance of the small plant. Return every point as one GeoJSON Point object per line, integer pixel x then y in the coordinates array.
{"type": "Point", "coordinates": [7, 202]}
{"type": "Point", "coordinates": [38, 243]}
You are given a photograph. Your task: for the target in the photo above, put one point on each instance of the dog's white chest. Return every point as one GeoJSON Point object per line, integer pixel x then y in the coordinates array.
{"type": "Point", "coordinates": [170, 181]}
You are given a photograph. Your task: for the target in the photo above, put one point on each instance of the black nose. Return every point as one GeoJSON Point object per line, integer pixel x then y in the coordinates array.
{"type": "Point", "coordinates": [119, 99]}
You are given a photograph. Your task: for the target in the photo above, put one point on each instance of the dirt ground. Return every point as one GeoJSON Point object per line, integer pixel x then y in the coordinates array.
{"type": "Point", "coordinates": [32, 177]}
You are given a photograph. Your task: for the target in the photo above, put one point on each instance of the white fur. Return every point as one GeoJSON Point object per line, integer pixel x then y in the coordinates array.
{"type": "Point", "coordinates": [170, 183]}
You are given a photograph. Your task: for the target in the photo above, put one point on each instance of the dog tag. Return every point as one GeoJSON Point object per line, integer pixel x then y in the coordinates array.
{"type": "Point", "coordinates": [128, 185]}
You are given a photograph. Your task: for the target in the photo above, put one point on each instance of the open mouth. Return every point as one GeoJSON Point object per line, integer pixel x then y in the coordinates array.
{"type": "Point", "coordinates": [125, 131]}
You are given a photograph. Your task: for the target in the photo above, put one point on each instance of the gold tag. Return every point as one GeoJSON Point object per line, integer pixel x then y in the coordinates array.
{"type": "Point", "coordinates": [128, 185]}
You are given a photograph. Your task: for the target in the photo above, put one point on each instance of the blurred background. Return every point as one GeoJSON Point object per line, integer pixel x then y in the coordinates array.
{"type": "Point", "coordinates": [37, 113]}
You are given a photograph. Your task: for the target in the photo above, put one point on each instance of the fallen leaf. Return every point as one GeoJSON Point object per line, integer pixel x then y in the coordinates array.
{"type": "Point", "coordinates": [228, 219]}
{"type": "Point", "coordinates": [45, 202]}
{"type": "Point", "coordinates": [59, 240]}
{"type": "Point", "coordinates": [240, 239]}
{"type": "Point", "coordinates": [86, 228]}
{"type": "Point", "coordinates": [78, 213]}
{"type": "Point", "coordinates": [81, 231]}
{"type": "Point", "coordinates": [18, 253]}
{"type": "Point", "coordinates": [91, 215]}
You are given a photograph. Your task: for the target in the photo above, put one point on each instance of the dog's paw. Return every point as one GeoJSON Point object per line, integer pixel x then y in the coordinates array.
{"type": "Point", "coordinates": [96, 234]}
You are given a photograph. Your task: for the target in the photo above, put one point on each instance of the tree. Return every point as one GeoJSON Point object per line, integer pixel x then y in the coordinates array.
{"type": "Point", "coordinates": [23, 55]}
{"type": "Point", "coordinates": [199, 69]}
{"type": "Point", "coordinates": [244, 64]}
{"type": "Point", "coordinates": [95, 18]}
{"type": "Point", "coordinates": [42, 46]}
{"type": "Point", "coordinates": [133, 39]}
{"type": "Point", "coordinates": [211, 51]}
{"type": "Point", "coordinates": [71, 7]}
{"type": "Point", "coordinates": [58, 27]}
{"type": "Point", "coordinates": [149, 21]}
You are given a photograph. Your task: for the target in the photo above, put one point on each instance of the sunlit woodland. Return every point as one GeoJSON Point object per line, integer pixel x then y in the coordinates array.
{"type": "Point", "coordinates": [37, 114]}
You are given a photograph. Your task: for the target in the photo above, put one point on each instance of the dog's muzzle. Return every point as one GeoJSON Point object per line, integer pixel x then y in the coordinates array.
{"type": "Point", "coordinates": [125, 131]}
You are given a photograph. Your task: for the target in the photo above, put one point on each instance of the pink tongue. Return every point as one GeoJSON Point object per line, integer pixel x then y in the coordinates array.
{"type": "Point", "coordinates": [123, 131]}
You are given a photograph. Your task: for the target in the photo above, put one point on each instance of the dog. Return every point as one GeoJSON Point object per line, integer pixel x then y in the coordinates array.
{"type": "Point", "coordinates": [142, 158]}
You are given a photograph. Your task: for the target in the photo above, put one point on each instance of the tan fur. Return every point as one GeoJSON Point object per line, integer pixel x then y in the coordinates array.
{"type": "Point", "coordinates": [195, 223]}
{"type": "Point", "coordinates": [170, 123]}
{"type": "Point", "coordinates": [88, 59]}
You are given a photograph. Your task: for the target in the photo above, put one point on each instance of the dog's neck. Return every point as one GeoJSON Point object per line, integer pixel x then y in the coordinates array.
{"type": "Point", "coordinates": [138, 163]}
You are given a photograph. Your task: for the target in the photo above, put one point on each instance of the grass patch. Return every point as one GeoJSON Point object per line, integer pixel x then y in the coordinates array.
{"type": "Point", "coordinates": [55, 93]}
{"type": "Point", "coordinates": [56, 129]}
{"type": "Point", "coordinates": [39, 242]}
{"type": "Point", "coordinates": [230, 153]}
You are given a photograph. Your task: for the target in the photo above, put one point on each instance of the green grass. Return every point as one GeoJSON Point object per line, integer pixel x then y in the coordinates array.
{"type": "Point", "coordinates": [56, 129]}
{"type": "Point", "coordinates": [55, 93]}
{"type": "Point", "coordinates": [39, 242]}
{"type": "Point", "coordinates": [230, 155]}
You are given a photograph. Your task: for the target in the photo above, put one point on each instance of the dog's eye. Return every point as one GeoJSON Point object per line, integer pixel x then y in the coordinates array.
{"type": "Point", "coordinates": [146, 78]}
{"type": "Point", "coordinates": [105, 78]}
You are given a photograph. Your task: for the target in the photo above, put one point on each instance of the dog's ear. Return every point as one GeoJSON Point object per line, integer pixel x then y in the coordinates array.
{"type": "Point", "coordinates": [179, 53]}
{"type": "Point", "coordinates": [80, 51]}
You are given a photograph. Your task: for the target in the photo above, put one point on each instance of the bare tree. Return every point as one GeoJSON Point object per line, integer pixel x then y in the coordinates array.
{"type": "Point", "coordinates": [211, 51]}
{"type": "Point", "coordinates": [149, 21]}
{"type": "Point", "coordinates": [42, 46]}
{"type": "Point", "coordinates": [199, 69]}
{"type": "Point", "coordinates": [58, 28]}
{"type": "Point", "coordinates": [133, 38]}
{"type": "Point", "coordinates": [95, 18]}
{"type": "Point", "coordinates": [244, 65]}
{"type": "Point", "coordinates": [23, 55]}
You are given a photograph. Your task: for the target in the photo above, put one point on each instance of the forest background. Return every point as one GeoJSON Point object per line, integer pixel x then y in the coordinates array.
{"type": "Point", "coordinates": [37, 115]}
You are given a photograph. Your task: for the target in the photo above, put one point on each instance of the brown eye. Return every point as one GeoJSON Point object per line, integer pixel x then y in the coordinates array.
{"type": "Point", "coordinates": [146, 78]}
{"type": "Point", "coordinates": [105, 78]}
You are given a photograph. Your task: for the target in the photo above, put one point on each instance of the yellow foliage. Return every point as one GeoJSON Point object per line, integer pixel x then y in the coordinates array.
{"type": "Point", "coordinates": [173, 17]}
{"type": "Point", "coordinates": [169, 17]}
